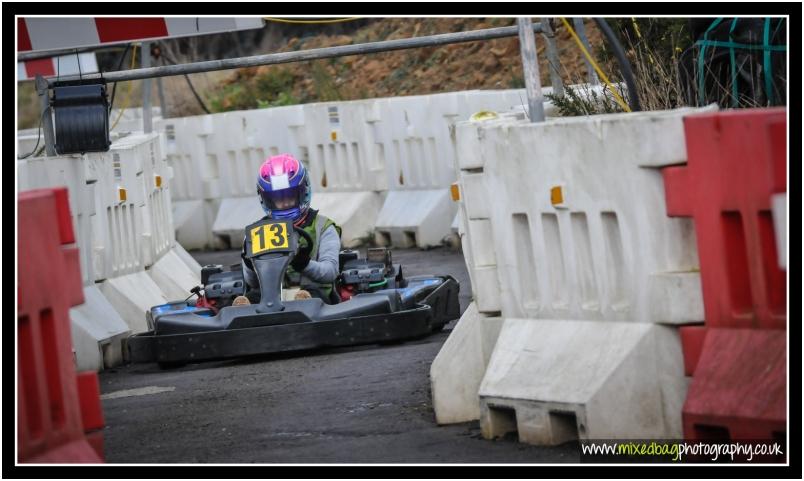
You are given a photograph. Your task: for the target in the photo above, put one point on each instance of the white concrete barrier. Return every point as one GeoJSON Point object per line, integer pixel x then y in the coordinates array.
{"type": "Point", "coordinates": [338, 139]}
{"type": "Point", "coordinates": [360, 147]}
{"type": "Point", "coordinates": [120, 205]}
{"type": "Point", "coordinates": [419, 161]}
{"type": "Point", "coordinates": [559, 381]}
{"type": "Point", "coordinates": [567, 240]}
{"type": "Point", "coordinates": [411, 218]}
{"type": "Point", "coordinates": [354, 212]}
{"type": "Point", "coordinates": [98, 332]}
{"type": "Point", "coordinates": [124, 228]}
{"type": "Point", "coordinates": [43, 172]}
{"type": "Point", "coordinates": [234, 214]}
{"type": "Point", "coordinates": [229, 155]}
{"type": "Point", "coordinates": [458, 368]}
{"type": "Point", "coordinates": [456, 222]}
{"type": "Point", "coordinates": [132, 295]}
{"type": "Point", "coordinates": [188, 260]}
{"type": "Point", "coordinates": [195, 187]}
{"type": "Point", "coordinates": [593, 212]}
{"type": "Point", "coordinates": [145, 172]}
{"type": "Point", "coordinates": [173, 276]}
{"type": "Point", "coordinates": [336, 142]}
{"type": "Point", "coordinates": [138, 232]}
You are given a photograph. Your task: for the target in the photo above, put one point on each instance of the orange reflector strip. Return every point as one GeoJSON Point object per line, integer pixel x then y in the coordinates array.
{"type": "Point", "coordinates": [122, 193]}
{"type": "Point", "coordinates": [158, 180]}
{"type": "Point", "coordinates": [455, 191]}
{"type": "Point", "coordinates": [556, 195]}
{"type": "Point", "coordinates": [333, 135]}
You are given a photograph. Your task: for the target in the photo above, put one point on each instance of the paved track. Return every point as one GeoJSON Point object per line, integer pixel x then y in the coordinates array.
{"type": "Point", "coordinates": [366, 404]}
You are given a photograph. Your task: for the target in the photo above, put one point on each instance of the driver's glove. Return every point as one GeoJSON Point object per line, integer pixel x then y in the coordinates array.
{"type": "Point", "coordinates": [300, 260]}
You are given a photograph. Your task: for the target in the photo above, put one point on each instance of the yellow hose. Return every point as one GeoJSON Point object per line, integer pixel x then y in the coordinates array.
{"type": "Point", "coordinates": [600, 73]}
{"type": "Point", "coordinates": [128, 93]}
{"type": "Point", "coordinates": [337, 20]}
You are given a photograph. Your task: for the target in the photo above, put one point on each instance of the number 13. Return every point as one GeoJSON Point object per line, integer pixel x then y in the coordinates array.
{"type": "Point", "coordinates": [268, 237]}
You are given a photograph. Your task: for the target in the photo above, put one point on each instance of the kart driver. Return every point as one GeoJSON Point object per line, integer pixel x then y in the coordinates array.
{"type": "Point", "coordinates": [283, 187]}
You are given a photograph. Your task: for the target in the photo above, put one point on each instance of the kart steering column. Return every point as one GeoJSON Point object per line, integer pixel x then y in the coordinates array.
{"type": "Point", "coordinates": [270, 270]}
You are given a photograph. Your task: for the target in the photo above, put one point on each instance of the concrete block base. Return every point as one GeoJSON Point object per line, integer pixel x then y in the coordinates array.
{"type": "Point", "coordinates": [132, 296]}
{"type": "Point", "coordinates": [554, 381]}
{"type": "Point", "coordinates": [173, 276]}
{"type": "Point", "coordinates": [188, 260]}
{"type": "Point", "coordinates": [413, 218]}
{"type": "Point", "coordinates": [98, 332]}
{"type": "Point", "coordinates": [234, 214]}
{"type": "Point", "coordinates": [192, 220]}
{"type": "Point", "coordinates": [458, 368]}
{"type": "Point", "coordinates": [355, 212]}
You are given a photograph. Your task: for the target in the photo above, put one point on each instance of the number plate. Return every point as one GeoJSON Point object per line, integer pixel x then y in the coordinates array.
{"type": "Point", "coordinates": [268, 236]}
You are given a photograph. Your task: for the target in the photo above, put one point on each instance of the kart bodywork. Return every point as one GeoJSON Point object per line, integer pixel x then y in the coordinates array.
{"type": "Point", "coordinates": [380, 305]}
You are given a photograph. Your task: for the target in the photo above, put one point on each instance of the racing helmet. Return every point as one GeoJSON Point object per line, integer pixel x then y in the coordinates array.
{"type": "Point", "coordinates": [283, 187]}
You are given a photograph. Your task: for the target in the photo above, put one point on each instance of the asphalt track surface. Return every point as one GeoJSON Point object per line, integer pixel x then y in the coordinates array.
{"type": "Point", "coordinates": [368, 404]}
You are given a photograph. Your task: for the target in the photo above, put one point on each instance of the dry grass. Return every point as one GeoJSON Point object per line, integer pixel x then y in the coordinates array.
{"type": "Point", "coordinates": [658, 79]}
{"type": "Point", "coordinates": [662, 62]}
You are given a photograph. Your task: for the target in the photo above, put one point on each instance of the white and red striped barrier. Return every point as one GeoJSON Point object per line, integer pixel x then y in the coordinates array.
{"type": "Point", "coordinates": [50, 33]}
{"type": "Point", "coordinates": [62, 65]}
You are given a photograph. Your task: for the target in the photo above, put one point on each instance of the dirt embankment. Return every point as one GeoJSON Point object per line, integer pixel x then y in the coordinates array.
{"type": "Point", "coordinates": [493, 64]}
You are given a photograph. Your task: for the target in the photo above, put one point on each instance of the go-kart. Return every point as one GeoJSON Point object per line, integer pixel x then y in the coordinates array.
{"type": "Point", "coordinates": [375, 303]}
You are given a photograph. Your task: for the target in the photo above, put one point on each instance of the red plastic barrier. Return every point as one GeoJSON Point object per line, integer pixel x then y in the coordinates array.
{"type": "Point", "coordinates": [692, 341]}
{"type": "Point", "coordinates": [726, 187]}
{"type": "Point", "coordinates": [777, 130]}
{"type": "Point", "coordinates": [739, 388]}
{"type": "Point", "coordinates": [735, 161]}
{"type": "Point", "coordinates": [91, 409]}
{"type": "Point", "coordinates": [49, 283]}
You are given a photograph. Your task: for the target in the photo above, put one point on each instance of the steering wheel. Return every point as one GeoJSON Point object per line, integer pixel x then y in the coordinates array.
{"type": "Point", "coordinates": [307, 238]}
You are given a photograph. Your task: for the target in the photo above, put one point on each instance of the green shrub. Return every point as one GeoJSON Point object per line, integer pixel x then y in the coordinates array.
{"type": "Point", "coordinates": [325, 87]}
{"type": "Point", "coordinates": [284, 98]}
{"type": "Point", "coordinates": [275, 82]}
{"type": "Point", "coordinates": [572, 103]}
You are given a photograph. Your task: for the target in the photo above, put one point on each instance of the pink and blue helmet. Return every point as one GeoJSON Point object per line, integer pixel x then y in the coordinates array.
{"type": "Point", "coordinates": [284, 187]}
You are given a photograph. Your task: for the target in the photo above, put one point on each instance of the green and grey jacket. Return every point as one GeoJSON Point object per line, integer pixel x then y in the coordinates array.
{"type": "Point", "coordinates": [323, 266]}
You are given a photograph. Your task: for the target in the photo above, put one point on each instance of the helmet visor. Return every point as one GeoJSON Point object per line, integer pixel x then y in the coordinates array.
{"type": "Point", "coordinates": [284, 199]}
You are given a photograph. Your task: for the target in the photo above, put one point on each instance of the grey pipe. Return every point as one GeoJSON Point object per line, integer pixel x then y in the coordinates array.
{"type": "Point", "coordinates": [305, 55]}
